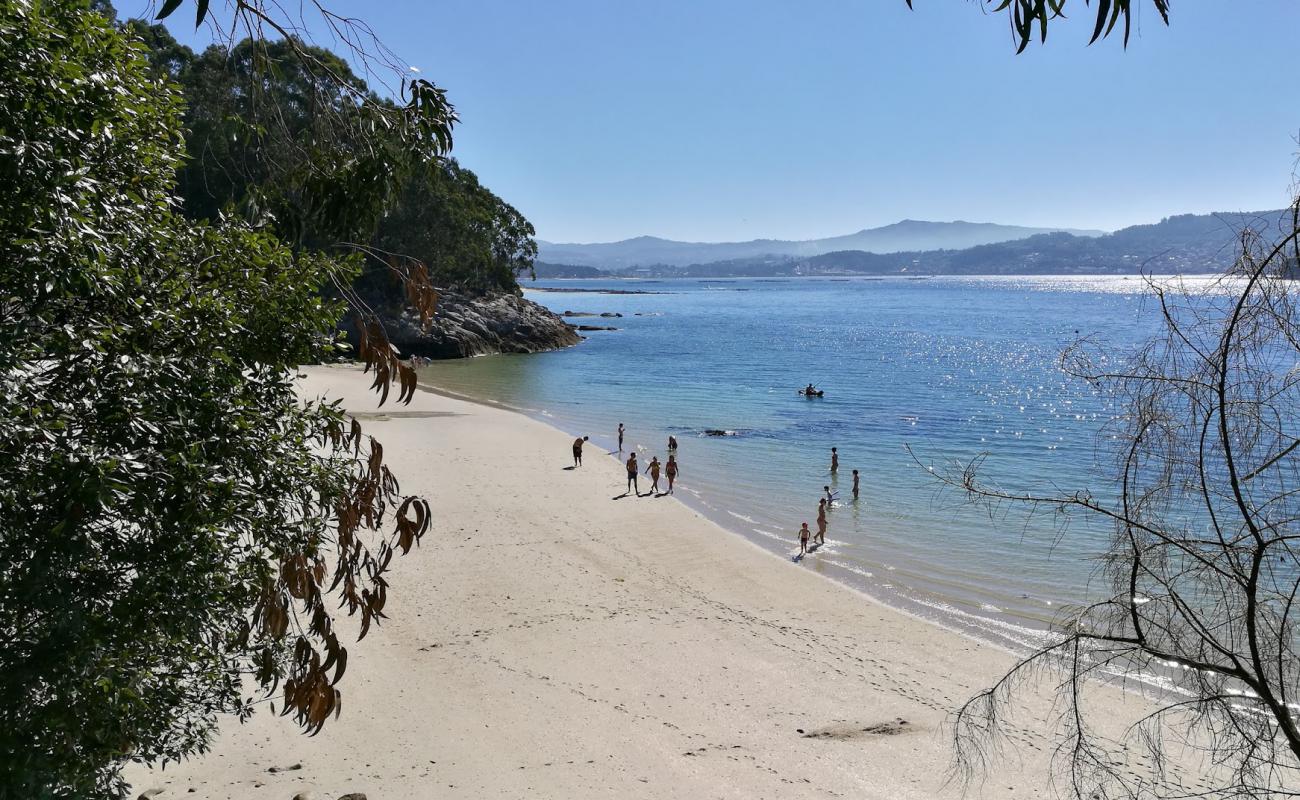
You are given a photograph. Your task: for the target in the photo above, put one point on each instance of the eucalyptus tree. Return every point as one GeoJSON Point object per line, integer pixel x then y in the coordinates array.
{"type": "Point", "coordinates": [174, 521]}
{"type": "Point", "coordinates": [1030, 18]}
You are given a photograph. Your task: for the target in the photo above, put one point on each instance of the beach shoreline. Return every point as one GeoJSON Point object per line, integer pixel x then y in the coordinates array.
{"type": "Point", "coordinates": [976, 629]}
{"type": "Point", "coordinates": [546, 640]}
{"type": "Point", "coordinates": [1013, 636]}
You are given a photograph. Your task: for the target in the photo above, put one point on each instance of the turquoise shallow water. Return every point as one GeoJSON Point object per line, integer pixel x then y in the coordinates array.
{"type": "Point", "coordinates": [952, 368]}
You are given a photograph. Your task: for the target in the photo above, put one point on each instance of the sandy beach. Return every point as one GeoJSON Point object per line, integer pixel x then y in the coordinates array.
{"type": "Point", "coordinates": [547, 640]}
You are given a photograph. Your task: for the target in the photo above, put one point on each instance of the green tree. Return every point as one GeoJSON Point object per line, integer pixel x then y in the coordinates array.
{"type": "Point", "coordinates": [467, 235]}
{"type": "Point", "coordinates": [281, 133]}
{"type": "Point", "coordinates": [169, 510]}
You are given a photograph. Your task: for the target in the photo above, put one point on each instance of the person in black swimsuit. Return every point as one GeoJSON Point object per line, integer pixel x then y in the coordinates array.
{"type": "Point", "coordinates": [631, 475]}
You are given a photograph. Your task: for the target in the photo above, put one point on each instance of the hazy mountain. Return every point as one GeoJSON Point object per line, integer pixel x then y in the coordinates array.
{"type": "Point", "coordinates": [900, 236]}
{"type": "Point", "coordinates": [1187, 243]}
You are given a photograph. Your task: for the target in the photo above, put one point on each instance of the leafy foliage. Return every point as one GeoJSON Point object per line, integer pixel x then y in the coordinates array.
{"type": "Point", "coordinates": [274, 135]}
{"type": "Point", "coordinates": [1030, 17]}
{"type": "Point", "coordinates": [172, 518]}
{"type": "Point", "coordinates": [461, 230]}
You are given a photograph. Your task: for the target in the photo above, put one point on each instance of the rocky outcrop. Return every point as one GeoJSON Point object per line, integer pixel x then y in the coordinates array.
{"type": "Point", "coordinates": [472, 325]}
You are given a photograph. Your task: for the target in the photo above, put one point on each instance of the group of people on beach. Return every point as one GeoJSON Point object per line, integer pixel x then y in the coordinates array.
{"type": "Point", "coordinates": [654, 469]}
{"type": "Point", "coordinates": [671, 470]}
{"type": "Point", "coordinates": [824, 504]}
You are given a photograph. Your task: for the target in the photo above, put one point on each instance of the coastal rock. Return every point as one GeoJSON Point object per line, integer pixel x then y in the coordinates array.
{"type": "Point", "coordinates": [472, 325]}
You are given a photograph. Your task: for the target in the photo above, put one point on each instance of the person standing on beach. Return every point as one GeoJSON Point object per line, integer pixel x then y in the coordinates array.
{"type": "Point", "coordinates": [620, 437]}
{"type": "Point", "coordinates": [670, 470]}
{"type": "Point", "coordinates": [577, 450]}
{"type": "Point", "coordinates": [835, 461]}
{"type": "Point", "coordinates": [855, 484]}
{"type": "Point", "coordinates": [821, 521]}
{"type": "Point", "coordinates": [804, 533]}
{"type": "Point", "coordinates": [631, 475]}
{"type": "Point", "coordinates": [653, 471]}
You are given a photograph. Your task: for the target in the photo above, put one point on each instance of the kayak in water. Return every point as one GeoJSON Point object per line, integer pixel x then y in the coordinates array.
{"type": "Point", "coordinates": [812, 393]}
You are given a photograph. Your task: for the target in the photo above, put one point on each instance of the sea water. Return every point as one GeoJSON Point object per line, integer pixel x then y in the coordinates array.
{"type": "Point", "coordinates": [920, 376]}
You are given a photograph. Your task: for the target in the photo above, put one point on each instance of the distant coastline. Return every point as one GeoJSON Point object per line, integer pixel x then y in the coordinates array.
{"type": "Point", "coordinates": [1187, 244]}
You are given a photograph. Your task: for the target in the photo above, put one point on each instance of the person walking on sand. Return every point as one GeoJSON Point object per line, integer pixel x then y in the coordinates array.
{"type": "Point", "coordinates": [577, 450]}
{"type": "Point", "coordinates": [804, 533]}
{"type": "Point", "coordinates": [835, 461]}
{"type": "Point", "coordinates": [631, 476]}
{"type": "Point", "coordinates": [670, 470]}
{"type": "Point", "coordinates": [620, 437]}
{"type": "Point", "coordinates": [821, 521]}
{"type": "Point", "coordinates": [653, 471]}
{"type": "Point", "coordinates": [855, 484]}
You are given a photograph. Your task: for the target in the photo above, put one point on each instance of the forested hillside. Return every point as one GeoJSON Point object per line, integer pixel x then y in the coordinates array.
{"type": "Point", "coordinates": [261, 155]}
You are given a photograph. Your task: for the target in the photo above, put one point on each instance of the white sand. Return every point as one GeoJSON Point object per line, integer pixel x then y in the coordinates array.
{"type": "Point", "coordinates": [548, 641]}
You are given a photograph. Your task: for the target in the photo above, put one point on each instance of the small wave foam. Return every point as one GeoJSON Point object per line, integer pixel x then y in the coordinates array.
{"type": "Point", "coordinates": [768, 534]}
{"type": "Point", "coordinates": [850, 568]}
{"type": "Point", "coordinates": [744, 518]}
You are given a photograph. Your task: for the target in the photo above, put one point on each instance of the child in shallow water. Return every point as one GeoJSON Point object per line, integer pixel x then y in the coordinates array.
{"type": "Point", "coordinates": [804, 533]}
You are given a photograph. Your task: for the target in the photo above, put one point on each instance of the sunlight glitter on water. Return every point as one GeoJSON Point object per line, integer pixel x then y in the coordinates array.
{"type": "Point", "coordinates": [919, 376]}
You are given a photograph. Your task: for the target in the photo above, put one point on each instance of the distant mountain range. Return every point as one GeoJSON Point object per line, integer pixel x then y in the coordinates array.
{"type": "Point", "coordinates": [909, 234]}
{"type": "Point", "coordinates": [1187, 243]}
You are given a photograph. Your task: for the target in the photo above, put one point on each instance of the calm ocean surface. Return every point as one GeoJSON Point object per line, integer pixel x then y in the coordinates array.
{"type": "Point", "coordinates": [951, 367]}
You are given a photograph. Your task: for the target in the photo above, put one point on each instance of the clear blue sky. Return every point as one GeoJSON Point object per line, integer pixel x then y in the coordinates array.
{"type": "Point", "coordinates": [735, 119]}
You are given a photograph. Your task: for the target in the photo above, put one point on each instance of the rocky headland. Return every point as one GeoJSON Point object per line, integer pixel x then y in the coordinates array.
{"type": "Point", "coordinates": [468, 325]}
